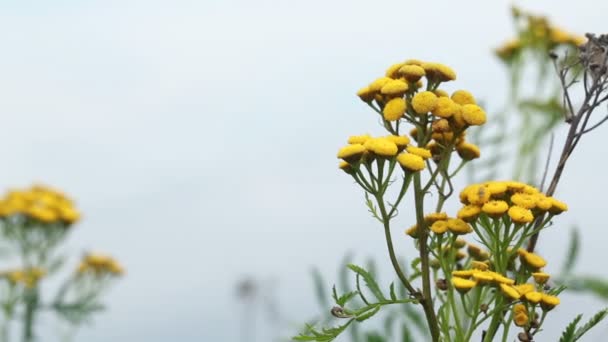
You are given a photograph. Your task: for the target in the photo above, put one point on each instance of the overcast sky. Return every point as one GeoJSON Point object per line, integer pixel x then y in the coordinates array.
{"type": "Point", "coordinates": [199, 139]}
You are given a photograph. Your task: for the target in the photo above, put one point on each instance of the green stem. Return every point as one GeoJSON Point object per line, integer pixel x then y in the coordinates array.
{"type": "Point", "coordinates": [427, 300]}
{"type": "Point", "coordinates": [31, 304]}
{"type": "Point", "coordinates": [496, 320]}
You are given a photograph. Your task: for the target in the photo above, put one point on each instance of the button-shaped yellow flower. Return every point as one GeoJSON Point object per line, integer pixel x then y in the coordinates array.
{"type": "Point", "coordinates": [469, 213]}
{"type": "Point", "coordinates": [540, 277]}
{"type": "Point", "coordinates": [381, 147]}
{"type": "Point", "coordinates": [521, 319]}
{"type": "Point", "coordinates": [548, 302]}
{"type": "Point", "coordinates": [378, 84]}
{"type": "Point", "coordinates": [478, 194]}
{"type": "Point", "coordinates": [520, 215]}
{"type": "Point", "coordinates": [412, 231]}
{"type": "Point", "coordinates": [524, 288]}
{"type": "Point", "coordinates": [463, 285]}
{"type": "Point", "coordinates": [463, 97]}
{"type": "Point", "coordinates": [557, 207]}
{"type": "Point", "coordinates": [439, 227]}
{"type": "Point", "coordinates": [394, 109]}
{"type": "Point", "coordinates": [445, 107]}
{"type": "Point", "coordinates": [393, 70]}
{"type": "Point", "coordinates": [459, 227]}
{"type": "Point", "coordinates": [351, 153]}
{"type": "Point", "coordinates": [524, 200]}
{"type": "Point", "coordinates": [533, 297]}
{"type": "Point", "coordinates": [509, 291]}
{"type": "Point", "coordinates": [468, 151]}
{"type": "Point", "coordinates": [366, 94]}
{"type": "Point", "coordinates": [394, 88]}
{"type": "Point", "coordinates": [495, 208]}
{"type": "Point", "coordinates": [473, 115]}
{"type": "Point", "coordinates": [424, 102]}
{"type": "Point", "coordinates": [420, 151]}
{"type": "Point", "coordinates": [533, 260]}
{"type": "Point", "coordinates": [412, 72]}
{"type": "Point", "coordinates": [410, 162]}
{"type": "Point", "coordinates": [478, 265]}
{"type": "Point", "coordinates": [359, 139]}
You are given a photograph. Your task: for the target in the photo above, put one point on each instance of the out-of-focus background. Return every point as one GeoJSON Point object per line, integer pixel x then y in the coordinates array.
{"type": "Point", "coordinates": [199, 140]}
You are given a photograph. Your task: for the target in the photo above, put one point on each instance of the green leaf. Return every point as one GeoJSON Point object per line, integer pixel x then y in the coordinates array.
{"type": "Point", "coordinates": [568, 334]}
{"type": "Point", "coordinates": [369, 281]}
{"type": "Point", "coordinates": [598, 317]}
{"type": "Point", "coordinates": [572, 252]}
{"type": "Point", "coordinates": [368, 314]}
{"type": "Point", "coordinates": [325, 335]}
{"type": "Point", "coordinates": [406, 335]}
{"type": "Point", "coordinates": [392, 291]}
{"type": "Point", "coordinates": [343, 299]}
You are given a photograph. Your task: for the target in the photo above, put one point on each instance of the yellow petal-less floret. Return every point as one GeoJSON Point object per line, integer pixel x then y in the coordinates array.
{"type": "Point", "coordinates": [420, 151]}
{"type": "Point", "coordinates": [459, 227]}
{"type": "Point", "coordinates": [441, 93]}
{"type": "Point", "coordinates": [533, 260]}
{"type": "Point", "coordinates": [411, 162]}
{"type": "Point", "coordinates": [469, 213]}
{"type": "Point", "coordinates": [351, 153]}
{"type": "Point", "coordinates": [445, 107]}
{"type": "Point", "coordinates": [540, 277]}
{"type": "Point", "coordinates": [533, 297]}
{"type": "Point", "coordinates": [468, 151]}
{"type": "Point", "coordinates": [524, 200]}
{"type": "Point", "coordinates": [393, 70]}
{"type": "Point", "coordinates": [466, 274]}
{"type": "Point", "coordinates": [557, 207]}
{"type": "Point", "coordinates": [509, 291]}
{"type": "Point", "coordinates": [412, 231]}
{"type": "Point", "coordinates": [433, 217]}
{"type": "Point", "coordinates": [478, 265]}
{"type": "Point", "coordinates": [378, 84]}
{"type": "Point", "coordinates": [359, 139]}
{"type": "Point", "coordinates": [366, 94]}
{"type": "Point", "coordinates": [524, 288]}
{"type": "Point", "coordinates": [548, 302]}
{"type": "Point", "coordinates": [411, 72]}
{"type": "Point", "coordinates": [495, 208]}
{"type": "Point", "coordinates": [520, 215]}
{"type": "Point", "coordinates": [439, 227]}
{"type": "Point", "coordinates": [478, 194]}
{"type": "Point", "coordinates": [473, 115]}
{"type": "Point", "coordinates": [394, 109]}
{"type": "Point", "coordinates": [382, 147]}
{"type": "Point", "coordinates": [400, 140]}
{"type": "Point", "coordinates": [463, 97]}
{"type": "Point", "coordinates": [394, 88]}
{"type": "Point", "coordinates": [424, 102]}
{"type": "Point", "coordinates": [345, 166]}
{"type": "Point", "coordinates": [463, 285]}
{"type": "Point", "coordinates": [521, 319]}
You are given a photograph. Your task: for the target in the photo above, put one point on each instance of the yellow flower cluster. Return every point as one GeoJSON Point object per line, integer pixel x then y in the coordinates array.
{"type": "Point", "coordinates": [536, 33]}
{"type": "Point", "coordinates": [100, 264]}
{"type": "Point", "coordinates": [26, 277]}
{"type": "Point", "coordinates": [440, 223]}
{"type": "Point", "coordinates": [40, 203]}
{"type": "Point", "coordinates": [365, 148]}
{"type": "Point", "coordinates": [519, 201]}
{"type": "Point", "coordinates": [464, 280]}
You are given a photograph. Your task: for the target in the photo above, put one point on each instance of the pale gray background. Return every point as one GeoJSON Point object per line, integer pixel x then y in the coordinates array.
{"type": "Point", "coordinates": [199, 138]}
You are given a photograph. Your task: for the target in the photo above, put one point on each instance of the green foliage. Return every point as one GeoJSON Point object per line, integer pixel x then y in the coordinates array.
{"type": "Point", "coordinates": [571, 333]}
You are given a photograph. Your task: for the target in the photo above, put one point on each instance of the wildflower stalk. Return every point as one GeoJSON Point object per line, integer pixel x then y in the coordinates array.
{"type": "Point", "coordinates": [427, 300]}
{"type": "Point", "coordinates": [31, 305]}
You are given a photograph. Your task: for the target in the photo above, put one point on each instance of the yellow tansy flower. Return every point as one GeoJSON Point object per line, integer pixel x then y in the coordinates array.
{"type": "Point", "coordinates": [351, 153]}
{"type": "Point", "coordinates": [459, 227]}
{"type": "Point", "coordinates": [533, 260]}
{"type": "Point", "coordinates": [411, 72]}
{"type": "Point", "coordinates": [420, 151]}
{"type": "Point", "coordinates": [400, 140]}
{"type": "Point", "coordinates": [445, 107]}
{"type": "Point", "coordinates": [509, 291]}
{"type": "Point", "coordinates": [412, 231]}
{"type": "Point", "coordinates": [478, 194]}
{"type": "Point", "coordinates": [495, 208]}
{"type": "Point", "coordinates": [463, 97]}
{"type": "Point", "coordinates": [468, 213]}
{"type": "Point", "coordinates": [548, 302]}
{"type": "Point", "coordinates": [359, 139]}
{"type": "Point", "coordinates": [520, 319]}
{"type": "Point", "coordinates": [411, 162]}
{"type": "Point", "coordinates": [424, 102]}
{"type": "Point", "coordinates": [441, 93]}
{"type": "Point", "coordinates": [463, 273]}
{"type": "Point", "coordinates": [439, 227]}
{"type": "Point", "coordinates": [381, 146]}
{"type": "Point", "coordinates": [540, 277]}
{"type": "Point", "coordinates": [394, 109]}
{"type": "Point", "coordinates": [473, 115]}
{"type": "Point", "coordinates": [557, 207]}
{"type": "Point", "coordinates": [468, 151]}
{"type": "Point", "coordinates": [393, 70]}
{"type": "Point", "coordinates": [524, 200]}
{"type": "Point", "coordinates": [463, 285]}
{"type": "Point", "coordinates": [394, 88]}
{"type": "Point", "coordinates": [533, 297]}
{"type": "Point", "coordinates": [378, 84]}
{"type": "Point", "coordinates": [433, 217]}
{"type": "Point", "coordinates": [366, 94]}
{"type": "Point", "coordinates": [520, 215]}
{"type": "Point", "coordinates": [478, 265]}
